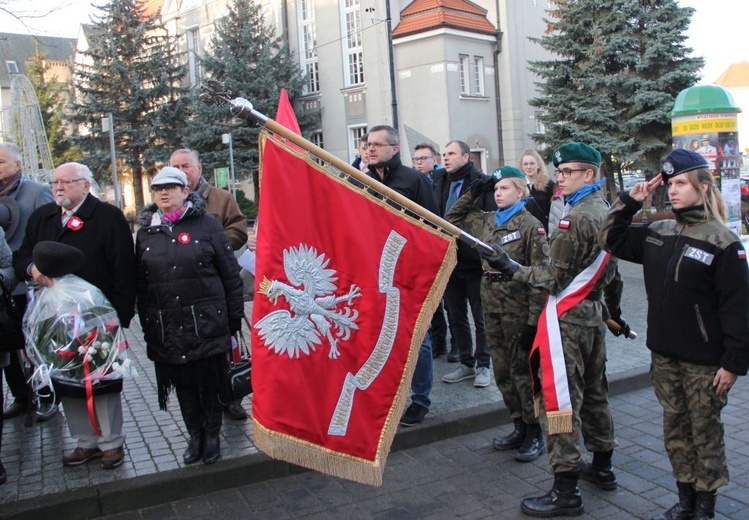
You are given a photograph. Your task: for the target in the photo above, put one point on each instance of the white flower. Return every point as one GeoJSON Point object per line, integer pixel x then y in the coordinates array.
{"type": "Point", "coordinates": [82, 350]}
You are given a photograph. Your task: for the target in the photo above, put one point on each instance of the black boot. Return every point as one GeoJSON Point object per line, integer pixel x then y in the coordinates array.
{"type": "Point", "coordinates": [534, 444]}
{"type": "Point", "coordinates": [705, 505]}
{"type": "Point", "coordinates": [684, 509]}
{"type": "Point", "coordinates": [563, 500]}
{"type": "Point", "coordinates": [194, 449]}
{"type": "Point", "coordinates": [514, 440]}
{"type": "Point", "coordinates": [599, 472]}
{"type": "Point", "coordinates": [212, 450]}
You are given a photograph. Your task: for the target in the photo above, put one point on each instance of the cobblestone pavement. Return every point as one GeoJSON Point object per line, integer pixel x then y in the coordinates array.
{"type": "Point", "coordinates": [156, 439]}
{"type": "Point", "coordinates": [463, 477]}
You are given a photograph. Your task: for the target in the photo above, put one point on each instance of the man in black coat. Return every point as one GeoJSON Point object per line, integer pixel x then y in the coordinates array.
{"type": "Point", "coordinates": [383, 150]}
{"type": "Point", "coordinates": [464, 286]}
{"type": "Point", "coordinates": [100, 231]}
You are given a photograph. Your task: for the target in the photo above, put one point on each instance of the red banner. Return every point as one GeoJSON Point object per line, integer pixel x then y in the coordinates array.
{"type": "Point", "coordinates": [346, 286]}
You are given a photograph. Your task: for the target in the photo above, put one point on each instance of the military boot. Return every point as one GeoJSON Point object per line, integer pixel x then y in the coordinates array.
{"type": "Point", "coordinates": [684, 509]}
{"type": "Point", "coordinates": [705, 505]}
{"type": "Point", "coordinates": [562, 500]}
{"type": "Point", "coordinates": [534, 444]}
{"type": "Point", "coordinates": [599, 472]}
{"type": "Point", "coordinates": [514, 440]}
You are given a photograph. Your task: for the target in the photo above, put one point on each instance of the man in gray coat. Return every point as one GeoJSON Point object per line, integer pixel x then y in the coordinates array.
{"type": "Point", "coordinates": [29, 195]}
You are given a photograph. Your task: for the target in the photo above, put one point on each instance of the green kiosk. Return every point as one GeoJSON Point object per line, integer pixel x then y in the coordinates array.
{"type": "Point", "coordinates": [704, 120]}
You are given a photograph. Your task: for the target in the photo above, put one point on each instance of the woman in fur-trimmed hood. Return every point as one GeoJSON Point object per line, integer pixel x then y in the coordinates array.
{"type": "Point", "coordinates": [189, 303]}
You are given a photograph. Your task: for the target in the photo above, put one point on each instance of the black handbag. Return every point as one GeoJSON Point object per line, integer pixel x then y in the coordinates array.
{"type": "Point", "coordinates": [10, 320]}
{"type": "Point", "coordinates": [240, 368]}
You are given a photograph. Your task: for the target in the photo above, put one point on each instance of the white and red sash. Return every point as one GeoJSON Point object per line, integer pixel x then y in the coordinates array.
{"type": "Point", "coordinates": [548, 349]}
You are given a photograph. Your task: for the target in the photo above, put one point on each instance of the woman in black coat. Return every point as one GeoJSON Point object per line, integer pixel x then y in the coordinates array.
{"type": "Point", "coordinates": [189, 303]}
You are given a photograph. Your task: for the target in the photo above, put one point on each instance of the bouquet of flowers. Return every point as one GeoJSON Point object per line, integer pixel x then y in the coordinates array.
{"type": "Point", "coordinates": [72, 332]}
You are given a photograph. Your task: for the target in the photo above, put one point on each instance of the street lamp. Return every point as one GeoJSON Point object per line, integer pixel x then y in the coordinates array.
{"type": "Point", "coordinates": [107, 125]}
{"type": "Point", "coordinates": [226, 139]}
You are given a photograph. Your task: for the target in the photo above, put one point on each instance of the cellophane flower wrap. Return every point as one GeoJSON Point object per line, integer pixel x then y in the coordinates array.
{"type": "Point", "coordinates": [73, 333]}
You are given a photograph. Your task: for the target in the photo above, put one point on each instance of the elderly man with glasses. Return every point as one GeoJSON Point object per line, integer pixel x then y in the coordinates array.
{"type": "Point", "coordinates": [99, 230]}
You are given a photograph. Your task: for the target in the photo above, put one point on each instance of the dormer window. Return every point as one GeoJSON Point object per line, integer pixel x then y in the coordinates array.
{"type": "Point", "coordinates": [12, 66]}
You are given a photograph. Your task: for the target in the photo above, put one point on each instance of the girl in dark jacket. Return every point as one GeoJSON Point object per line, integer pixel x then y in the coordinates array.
{"type": "Point", "coordinates": [697, 282]}
{"type": "Point", "coordinates": [189, 303]}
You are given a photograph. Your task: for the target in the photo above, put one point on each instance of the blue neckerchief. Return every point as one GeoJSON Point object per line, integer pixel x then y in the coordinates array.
{"type": "Point", "coordinates": [503, 215]}
{"type": "Point", "coordinates": [574, 198]}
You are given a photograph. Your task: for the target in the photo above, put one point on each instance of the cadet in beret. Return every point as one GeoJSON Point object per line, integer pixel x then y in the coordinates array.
{"type": "Point", "coordinates": [698, 330]}
{"type": "Point", "coordinates": [511, 308]}
{"type": "Point", "coordinates": [576, 276]}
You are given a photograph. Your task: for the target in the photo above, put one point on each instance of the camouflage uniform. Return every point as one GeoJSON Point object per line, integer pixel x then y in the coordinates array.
{"type": "Point", "coordinates": [697, 282]}
{"type": "Point", "coordinates": [573, 247]}
{"type": "Point", "coordinates": [508, 306]}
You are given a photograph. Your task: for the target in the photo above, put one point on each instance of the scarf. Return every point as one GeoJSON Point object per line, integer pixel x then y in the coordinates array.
{"type": "Point", "coordinates": [503, 215]}
{"type": "Point", "coordinates": [169, 219]}
{"type": "Point", "coordinates": [583, 192]}
{"type": "Point", "coordinates": [10, 185]}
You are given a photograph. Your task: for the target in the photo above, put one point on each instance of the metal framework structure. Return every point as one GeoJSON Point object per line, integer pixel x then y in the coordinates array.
{"type": "Point", "coordinates": [27, 129]}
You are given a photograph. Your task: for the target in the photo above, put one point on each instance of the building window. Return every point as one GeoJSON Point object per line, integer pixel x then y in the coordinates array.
{"type": "Point", "coordinates": [308, 37]}
{"type": "Point", "coordinates": [12, 66]}
{"type": "Point", "coordinates": [352, 43]}
{"type": "Point", "coordinates": [478, 76]}
{"type": "Point", "coordinates": [471, 76]}
{"type": "Point", "coordinates": [355, 135]}
{"type": "Point", "coordinates": [194, 50]}
{"type": "Point", "coordinates": [465, 88]}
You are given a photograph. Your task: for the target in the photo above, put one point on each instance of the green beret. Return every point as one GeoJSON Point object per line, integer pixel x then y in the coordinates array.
{"type": "Point", "coordinates": [507, 172]}
{"type": "Point", "coordinates": [576, 152]}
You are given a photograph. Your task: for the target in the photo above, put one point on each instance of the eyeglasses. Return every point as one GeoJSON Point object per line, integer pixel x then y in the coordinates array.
{"type": "Point", "coordinates": [165, 187]}
{"type": "Point", "coordinates": [567, 172]}
{"type": "Point", "coordinates": [378, 145]}
{"type": "Point", "coordinates": [423, 158]}
{"type": "Point", "coordinates": [65, 182]}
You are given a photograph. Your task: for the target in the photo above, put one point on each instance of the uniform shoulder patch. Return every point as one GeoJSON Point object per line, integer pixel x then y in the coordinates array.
{"type": "Point", "coordinates": [541, 231]}
{"type": "Point", "coordinates": [564, 224]}
{"type": "Point", "coordinates": [742, 254]}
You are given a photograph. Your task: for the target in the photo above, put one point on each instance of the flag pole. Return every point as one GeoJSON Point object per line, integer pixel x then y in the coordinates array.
{"type": "Point", "coordinates": [242, 107]}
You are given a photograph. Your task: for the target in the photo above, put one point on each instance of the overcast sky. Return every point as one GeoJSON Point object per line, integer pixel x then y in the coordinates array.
{"type": "Point", "coordinates": [715, 32]}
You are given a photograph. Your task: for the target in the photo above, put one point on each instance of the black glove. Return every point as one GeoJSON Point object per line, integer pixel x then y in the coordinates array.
{"type": "Point", "coordinates": [502, 262]}
{"type": "Point", "coordinates": [482, 184]}
{"type": "Point", "coordinates": [527, 336]}
{"type": "Point", "coordinates": [625, 329]}
{"type": "Point", "coordinates": [235, 325]}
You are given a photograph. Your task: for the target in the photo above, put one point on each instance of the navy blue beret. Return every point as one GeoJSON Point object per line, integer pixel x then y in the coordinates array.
{"type": "Point", "coordinates": [680, 161]}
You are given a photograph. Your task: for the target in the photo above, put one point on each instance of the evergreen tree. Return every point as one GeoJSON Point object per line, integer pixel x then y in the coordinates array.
{"type": "Point", "coordinates": [52, 99]}
{"type": "Point", "coordinates": [621, 64]}
{"type": "Point", "coordinates": [253, 63]}
{"type": "Point", "coordinates": [132, 70]}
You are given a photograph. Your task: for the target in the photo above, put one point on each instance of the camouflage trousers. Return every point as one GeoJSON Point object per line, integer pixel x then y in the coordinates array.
{"type": "Point", "coordinates": [585, 361]}
{"type": "Point", "coordinates": [692, 429]}
{"type": "Point", "coordinates": [510, 363]}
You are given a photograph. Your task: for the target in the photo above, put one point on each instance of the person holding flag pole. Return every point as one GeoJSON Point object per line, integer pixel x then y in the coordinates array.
{"type": "Point", "coordinates": [570, 346]}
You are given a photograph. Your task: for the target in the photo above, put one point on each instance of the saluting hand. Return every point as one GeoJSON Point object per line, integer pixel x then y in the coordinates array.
{"type": "Point", "coordinates": [641, 190]}
{"type": "Point", "coordinates": [723, 381]}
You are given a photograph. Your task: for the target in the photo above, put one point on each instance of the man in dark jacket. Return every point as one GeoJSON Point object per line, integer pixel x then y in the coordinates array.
{"type": "Point", "coordinates": [29, 195]}
{"type": "Point", "coordinates": [100, 231]}
{"type": "Point", "coordinates": [383, 147]}
{"type": "Point", "coordinates": [464, 287]}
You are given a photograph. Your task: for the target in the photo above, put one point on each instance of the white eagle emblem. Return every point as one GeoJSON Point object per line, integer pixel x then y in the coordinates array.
{"type": "Point", "coordinates": [313, 308]}
{"type": "Point", "coordinates": [668, 168]}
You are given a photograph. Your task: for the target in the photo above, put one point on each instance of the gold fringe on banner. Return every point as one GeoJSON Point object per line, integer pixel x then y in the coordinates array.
{"type": "Point", "coordinates": [312, 456]}
{"type": "Point", "coordinates": [559, 422]}
{"type": "Point", "coordinates": [537, 405]}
